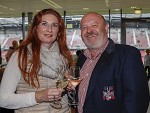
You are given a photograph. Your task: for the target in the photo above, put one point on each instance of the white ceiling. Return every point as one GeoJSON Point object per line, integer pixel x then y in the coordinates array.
{"type": "Point", "coordinates": [14, 8]}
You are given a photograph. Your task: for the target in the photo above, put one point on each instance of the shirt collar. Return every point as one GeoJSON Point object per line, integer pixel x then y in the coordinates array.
{"type": "Point", "coordinates": [99, 52]}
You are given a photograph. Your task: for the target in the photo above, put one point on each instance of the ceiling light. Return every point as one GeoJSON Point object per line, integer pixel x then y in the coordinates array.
{"type": "Point", "coordinates": [53, 4]}
{"type": "Point", "coordinates": [107, 3]}
{"type": "Point", "coordinates": [11, 9]}
{"type": "Point", "coordinates": [137, 11]}
{"type": "Point", "coordinates": [115, 9]}
{"type": "Point", "coordinates": [3, 6]}
{"type": "Point", "coordinates": [6, 8]}
{"type": "Point", "coordinates": [85, 8]}
{"type": "Point", "coordinates": [38, 10]}
{"type": "Point", "coordinates": [133, 7]}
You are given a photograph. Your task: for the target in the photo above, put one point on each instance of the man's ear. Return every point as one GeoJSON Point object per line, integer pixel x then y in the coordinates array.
{"type": "Point", "coordinates": [107, 28]}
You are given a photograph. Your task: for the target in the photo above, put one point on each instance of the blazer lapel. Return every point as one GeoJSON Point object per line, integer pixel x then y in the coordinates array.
{"type": "Point", "coordinates": [99, 66]}
{"type": "Point", "coordinates": [94, 76]}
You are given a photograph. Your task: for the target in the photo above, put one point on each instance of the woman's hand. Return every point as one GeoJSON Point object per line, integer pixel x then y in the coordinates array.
{"type": "Point", "coordinates": [50, 94]}
{"type": "Point", "coordinates": [70, 87]}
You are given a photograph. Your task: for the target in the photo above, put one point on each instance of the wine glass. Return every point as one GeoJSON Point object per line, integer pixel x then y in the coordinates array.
{"type": "Point", "coordinates": [59, 84]}
{"type": "Point", "coordinates": [74, 79]}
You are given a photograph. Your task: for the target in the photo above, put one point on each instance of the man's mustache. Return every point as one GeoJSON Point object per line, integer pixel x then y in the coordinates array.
{"type": "Point", "coordinates": [91, 34]}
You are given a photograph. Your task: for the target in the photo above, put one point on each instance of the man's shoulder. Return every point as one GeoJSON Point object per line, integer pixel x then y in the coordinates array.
{"type": "Point", "coordinates": [126, 50]}
{"type": "Point", "coordinates": [126, 47]}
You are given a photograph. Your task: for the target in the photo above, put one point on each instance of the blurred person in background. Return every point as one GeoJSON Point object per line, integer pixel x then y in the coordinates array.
{"type": "Point", "coordinates": [29, 81]}
{"type": "Point", "coordinates": [147, 63]}
{"type": "Point", "coordinates": [11, 49]}
{"type": "Point", "coordinates": [20, 41]}
{"type": "Point", "coordinates": [77, 55]}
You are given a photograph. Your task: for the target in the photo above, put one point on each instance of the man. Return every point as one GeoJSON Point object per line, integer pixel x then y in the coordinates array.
{"type": "Point", "coordinates": [147, 63]}
{"type": "Point", "coordinates": [113, 76]}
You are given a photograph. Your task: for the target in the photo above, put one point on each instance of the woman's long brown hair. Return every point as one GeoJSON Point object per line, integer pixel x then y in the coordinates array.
{"type": "Point", "coordinates": [30, 69]}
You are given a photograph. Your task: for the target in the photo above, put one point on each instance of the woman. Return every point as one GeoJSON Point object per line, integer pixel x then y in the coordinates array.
{"type": "Point", "coordinates": [28, 84]}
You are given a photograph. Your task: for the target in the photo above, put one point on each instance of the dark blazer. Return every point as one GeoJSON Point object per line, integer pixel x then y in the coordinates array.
{"type": "Point", "coordinates": [118, 82]}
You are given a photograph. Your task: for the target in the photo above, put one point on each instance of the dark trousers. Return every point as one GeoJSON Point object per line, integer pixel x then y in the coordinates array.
{"type": "Point", "coordinates": [147, 69]}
